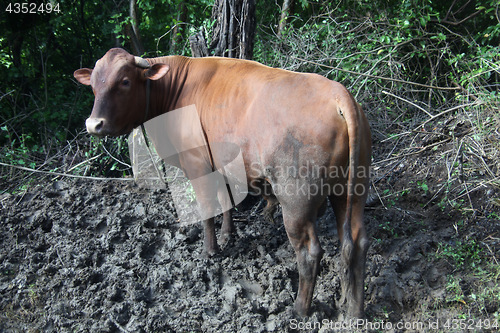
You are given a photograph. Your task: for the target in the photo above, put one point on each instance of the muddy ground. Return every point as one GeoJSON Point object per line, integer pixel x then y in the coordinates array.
{"type": "Point", "coordinates": [110, 256]}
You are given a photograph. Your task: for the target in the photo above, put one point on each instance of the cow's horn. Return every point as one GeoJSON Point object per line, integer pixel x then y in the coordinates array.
{"type": "Point", "coordinates": [141, 62]}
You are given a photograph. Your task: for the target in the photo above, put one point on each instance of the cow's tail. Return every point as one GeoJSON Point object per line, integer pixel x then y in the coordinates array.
{"type": "Point", "coordinates": [351, 112]}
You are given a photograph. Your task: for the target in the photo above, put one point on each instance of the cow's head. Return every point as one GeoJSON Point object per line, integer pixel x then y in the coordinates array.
{"type": "Point", "coordinates": [119, 84]}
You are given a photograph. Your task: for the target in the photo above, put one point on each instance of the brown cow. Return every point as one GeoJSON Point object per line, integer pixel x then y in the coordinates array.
{"type": "Point", "coordinates": [303, 139]}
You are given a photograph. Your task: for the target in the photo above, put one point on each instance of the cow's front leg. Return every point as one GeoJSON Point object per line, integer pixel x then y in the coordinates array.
{"type": "Point", "coordinates": [227, 226]}
{"type": "Point", "coordinates": [210, 240]}
{"type": "Point", "coordinates": [205, 187]}
{"type": "Point", "coordinates": [223, 195]}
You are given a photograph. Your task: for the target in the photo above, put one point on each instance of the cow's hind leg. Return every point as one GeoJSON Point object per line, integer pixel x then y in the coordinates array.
{"type": "Point", "coordinates": [270, 209]}
{"type": "Point", "coordinates": [301, 230]}
{"type": "Point", "coordinates": [354, 246]}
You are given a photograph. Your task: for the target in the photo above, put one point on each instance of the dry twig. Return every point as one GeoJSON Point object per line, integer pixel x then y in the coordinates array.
{"type": "Point", "coordinates": [59, 174]}
{"type": "Point", "coordinates": [377, 77]}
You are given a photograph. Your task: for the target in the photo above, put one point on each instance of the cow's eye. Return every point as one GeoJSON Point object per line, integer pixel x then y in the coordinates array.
{"type": "Point", "coordinates": [125, 82]}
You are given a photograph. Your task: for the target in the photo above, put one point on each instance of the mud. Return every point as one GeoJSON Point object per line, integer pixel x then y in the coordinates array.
{"type": "Point", "coordinates": [109, 256]}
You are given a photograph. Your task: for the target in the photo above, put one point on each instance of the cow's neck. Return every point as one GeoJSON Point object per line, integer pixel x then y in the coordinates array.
{"type": "Point", "coordinates": [166, 93]}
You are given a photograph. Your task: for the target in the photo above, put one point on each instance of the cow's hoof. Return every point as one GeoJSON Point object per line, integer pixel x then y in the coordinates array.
{"type": "Point", "coordinates": [301, 309]}
{"type": "Point", "coordinates": [350, 314]}
{"type": "Point", "coordinates": [225, 238]}
{"type": "Point", "coordinates": [355, 315]}
{"type": "Point", "coordinates": [372, 200]}
{"type": "Point", "coordinates": [209, 253]}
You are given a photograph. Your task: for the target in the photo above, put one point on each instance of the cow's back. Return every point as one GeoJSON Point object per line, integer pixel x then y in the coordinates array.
{"type": "Point", "coordinates": [260, 108]}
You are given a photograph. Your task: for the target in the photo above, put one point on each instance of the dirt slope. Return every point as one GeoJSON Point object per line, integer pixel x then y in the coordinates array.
{"type": "Point", "coordinates": [109, 256]}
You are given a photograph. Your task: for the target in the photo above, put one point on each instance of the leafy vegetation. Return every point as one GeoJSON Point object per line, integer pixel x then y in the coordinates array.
{"type": "Point", "coordinates": [374, 47]}
{"type": "Point", "coordinates": [462, 255]}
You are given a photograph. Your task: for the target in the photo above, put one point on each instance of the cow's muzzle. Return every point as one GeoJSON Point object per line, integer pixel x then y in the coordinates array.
{"type": "Point", "coordinates": [95, 126]}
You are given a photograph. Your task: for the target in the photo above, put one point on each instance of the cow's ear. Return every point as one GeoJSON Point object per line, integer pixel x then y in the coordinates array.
{"type": "Point", "coordinates": [83, 75]}
{"type": "Point", "coordinates": [157, 71]}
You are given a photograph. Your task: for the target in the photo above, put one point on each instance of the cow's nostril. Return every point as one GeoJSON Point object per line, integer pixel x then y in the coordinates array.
{"type": "Point", "coordinates": [98, 126]}
{"type": "Point", "coordinates": [95, 125]}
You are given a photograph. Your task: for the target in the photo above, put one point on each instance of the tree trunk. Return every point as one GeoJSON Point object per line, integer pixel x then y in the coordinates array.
{"type": "Point", "coordinates": [233, 33]}
{"type": "Point", "coordinates": [177, 32]}
{"type": "Point", "coordinates": [248, 29]}
{"type": "Point", "coordinates": [285, 12]}
{"type": "Point", "coordinates": [133, 31]}
{"type": "Point", "coordinates": [198, 44]}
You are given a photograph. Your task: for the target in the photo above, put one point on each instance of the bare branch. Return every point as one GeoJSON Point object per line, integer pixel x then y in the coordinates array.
{"type": "Point", "coordinates": [407, 101]}
{"type": "Point", "coordinates": [52, 173]}
{"type": "Point", "coordinates": [455, 23]}
{"type": "Point", "coordinates": [377, 77]}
